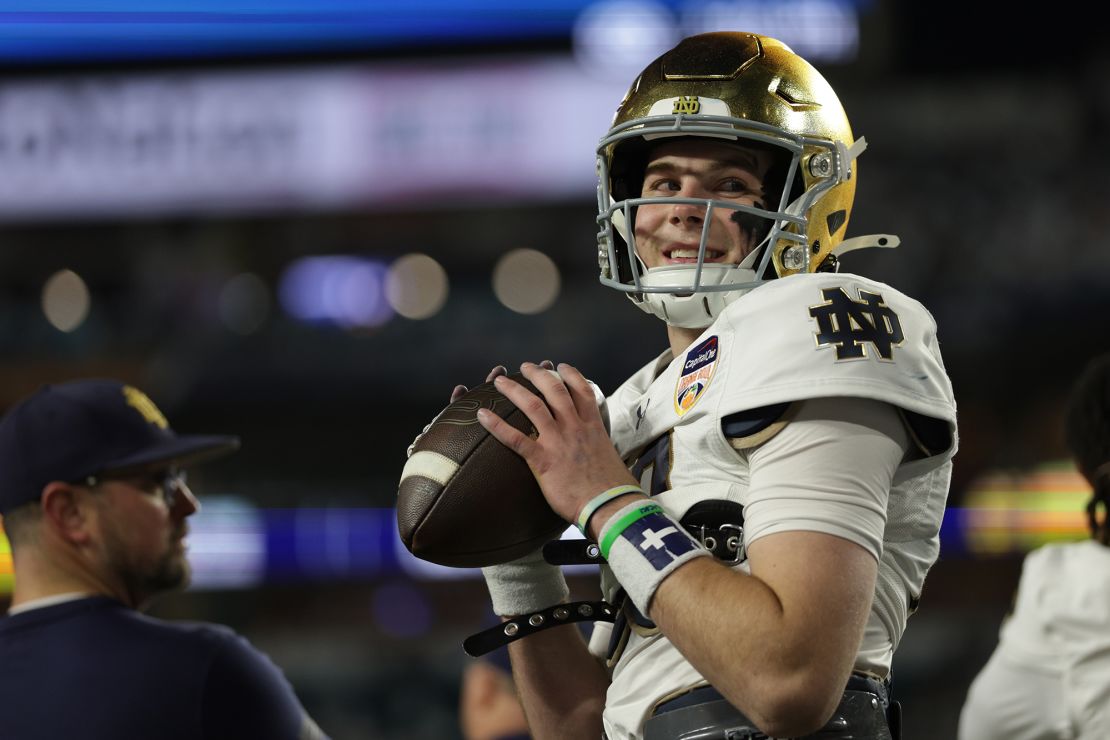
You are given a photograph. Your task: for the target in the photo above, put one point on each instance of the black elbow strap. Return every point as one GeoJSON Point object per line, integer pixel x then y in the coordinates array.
{"type": "Point", "coordinates": [529, 624]}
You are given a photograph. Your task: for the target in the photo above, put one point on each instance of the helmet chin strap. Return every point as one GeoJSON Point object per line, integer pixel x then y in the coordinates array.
{"type": "Point", "coordinates": [881, 241]}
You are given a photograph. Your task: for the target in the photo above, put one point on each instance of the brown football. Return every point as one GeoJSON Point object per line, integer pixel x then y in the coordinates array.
{"type": "Point", "coordinates": [467, 501]}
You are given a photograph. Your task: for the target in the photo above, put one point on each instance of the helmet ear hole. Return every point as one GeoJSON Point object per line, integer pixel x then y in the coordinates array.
{"type": "Point", "coordinates": [626, 174]}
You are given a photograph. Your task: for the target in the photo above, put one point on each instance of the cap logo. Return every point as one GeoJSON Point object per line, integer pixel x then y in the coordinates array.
{"type": "Point", "coordinates": [138, 400]}
{"type": "Point", "coordinates": [687, 104]}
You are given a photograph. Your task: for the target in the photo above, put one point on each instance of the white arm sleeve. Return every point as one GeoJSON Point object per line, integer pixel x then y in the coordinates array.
{"type": "Point", "coordinates": [829, 470]}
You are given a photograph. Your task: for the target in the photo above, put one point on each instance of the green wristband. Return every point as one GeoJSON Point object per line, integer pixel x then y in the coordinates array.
{"type": "Point", "coordinates": [623, 523]}
{"type": "Point", "coordinates": [600, 500]}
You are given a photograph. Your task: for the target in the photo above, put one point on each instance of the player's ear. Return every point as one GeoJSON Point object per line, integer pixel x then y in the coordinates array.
{"type": "Point", "coordinates": [65, 512]}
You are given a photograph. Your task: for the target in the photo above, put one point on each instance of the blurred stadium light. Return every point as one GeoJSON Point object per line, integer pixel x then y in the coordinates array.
{"type": "Point", "coordinates": [343, 290]}
{"type": "Point", "coordinates": [526, 281]}
{"type": "Point", "coordinates": [416, 286]}
{"type": "Point", "coordinates": [53, 31]}
{"type": "Point", "coordinates": [65, 300]}
{"type": "Point", "coordinates": [1008, 512]}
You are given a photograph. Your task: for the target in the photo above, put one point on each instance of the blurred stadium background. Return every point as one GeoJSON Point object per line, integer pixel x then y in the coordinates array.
{"type": "Point", "coordinates": [303, 221]}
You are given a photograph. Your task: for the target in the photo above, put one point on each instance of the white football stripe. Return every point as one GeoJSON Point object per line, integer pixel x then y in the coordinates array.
{"type": "Point", "coordinates": [430, 465]}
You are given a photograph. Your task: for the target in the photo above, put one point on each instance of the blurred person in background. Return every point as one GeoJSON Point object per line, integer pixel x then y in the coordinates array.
{"type": "Point", "coordinates": [94, 503]}
{"type": "Point", "coordinates": [1049, 676]}
{"type": "Point", "coordinates": [489, 708]}
{"type": "Point", "coordinates": [772, 506]}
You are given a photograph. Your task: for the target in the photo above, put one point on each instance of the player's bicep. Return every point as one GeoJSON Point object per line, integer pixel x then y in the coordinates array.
{"type": "Point", "coordinates": [829, 470]}
{"type": "Point", "coordinates": [824, 585]}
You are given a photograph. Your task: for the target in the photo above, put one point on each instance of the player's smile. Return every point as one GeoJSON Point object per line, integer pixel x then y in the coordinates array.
{"type": "Point", "coordinates": [678, 254]}
{"type": "Point", "coordinates": [670, 233]}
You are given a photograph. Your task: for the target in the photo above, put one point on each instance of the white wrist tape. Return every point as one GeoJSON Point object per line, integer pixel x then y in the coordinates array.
{"type": "Point", "coordinates": [643, 546]}
{"type": "Point", "coordinates": [526, 585]}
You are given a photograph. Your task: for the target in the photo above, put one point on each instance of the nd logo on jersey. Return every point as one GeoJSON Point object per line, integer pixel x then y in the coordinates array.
{"type": "Point", "coordinates": [697, 370]}
{"type": "Point", "coordinates": [848, 324]}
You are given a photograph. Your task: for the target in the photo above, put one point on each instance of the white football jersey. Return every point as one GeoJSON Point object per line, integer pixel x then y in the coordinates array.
{"type": "Point", "coordinates": [798, 339]}
{"type": "Point", "coordinates": [1050, 674]}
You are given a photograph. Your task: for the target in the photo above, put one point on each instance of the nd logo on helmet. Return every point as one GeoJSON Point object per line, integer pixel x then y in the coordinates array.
{"type": "Point", "coordinates": [688, 104]}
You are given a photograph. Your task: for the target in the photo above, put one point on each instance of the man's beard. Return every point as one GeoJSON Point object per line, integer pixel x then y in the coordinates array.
{"type": "Point", "coordinates": [144, 580]}
{"type": "Point", "coordinates": [172, 571]}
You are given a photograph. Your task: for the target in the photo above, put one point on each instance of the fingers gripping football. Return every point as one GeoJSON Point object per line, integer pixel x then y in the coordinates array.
{"type": "Point", "coordinates": [571, 454]}
{"type": "Point", "coordinates": [466, 500]}
{"type": "Point", "coordinates": [458, 392]}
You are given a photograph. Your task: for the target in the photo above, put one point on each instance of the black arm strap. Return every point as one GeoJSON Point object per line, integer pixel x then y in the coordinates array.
{"type": "Point", "coordinates": [572, 552]}
{"type": "Point", "coordinates": [530, 624]}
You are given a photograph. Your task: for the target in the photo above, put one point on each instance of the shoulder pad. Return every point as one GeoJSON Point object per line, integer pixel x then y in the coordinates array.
{"type": "Point", "coordinates": [753, 427]}
{"type": "Point", "coordinates": [837, 335]}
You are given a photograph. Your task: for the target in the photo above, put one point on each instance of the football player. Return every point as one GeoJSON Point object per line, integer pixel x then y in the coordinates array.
{"type": "Point", "coordinates": [1049, 675]}
{"type": "Point", "coordinates": [768, 502]}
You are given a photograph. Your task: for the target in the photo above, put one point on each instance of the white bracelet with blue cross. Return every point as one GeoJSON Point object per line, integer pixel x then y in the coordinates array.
{"type": "Point", "coordinates": [643, 545]}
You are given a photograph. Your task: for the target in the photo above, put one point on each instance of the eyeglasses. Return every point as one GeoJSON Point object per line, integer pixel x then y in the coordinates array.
{"type": "Point", "coordinates": [166, 482]}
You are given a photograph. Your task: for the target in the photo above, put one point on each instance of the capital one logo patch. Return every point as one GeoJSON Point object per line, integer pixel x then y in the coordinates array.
{"type": "Point", "coordinates": [696, 372]}
{"type": "Point", "coordinates": [850, 325]}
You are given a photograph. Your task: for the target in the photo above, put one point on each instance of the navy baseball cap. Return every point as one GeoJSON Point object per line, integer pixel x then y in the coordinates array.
{"type": "Point", "coordinates": [68, 431]}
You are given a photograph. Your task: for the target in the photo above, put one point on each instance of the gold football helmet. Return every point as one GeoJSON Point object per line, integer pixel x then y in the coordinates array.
{"type": "Point", "coordinates": [757, 92]}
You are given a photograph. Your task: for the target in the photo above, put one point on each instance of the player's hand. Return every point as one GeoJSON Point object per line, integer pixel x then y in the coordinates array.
{"type": "Point", "coordinates": [458, 393]}
{"type": "Point", "coordinates": [460, 390]}
{"type": "Point", "coordinates": [572, 456]}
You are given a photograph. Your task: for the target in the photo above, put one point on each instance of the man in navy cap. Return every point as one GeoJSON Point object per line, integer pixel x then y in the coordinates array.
{"type": "Point", "coordinates": [94, 502]}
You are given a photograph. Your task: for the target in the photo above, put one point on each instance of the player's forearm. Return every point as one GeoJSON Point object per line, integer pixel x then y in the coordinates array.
{"type": "Point", "coordinates": [745, 643]}
{"type": "Point", "coordinates": [787, 679]}
{"type": "Point", "coordinates": [562, 687]}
